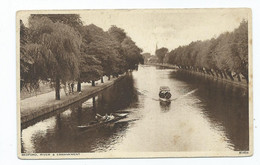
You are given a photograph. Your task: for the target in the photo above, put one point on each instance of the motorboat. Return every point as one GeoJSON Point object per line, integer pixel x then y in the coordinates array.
{"type": "Point", "coordinates": [165, 93]}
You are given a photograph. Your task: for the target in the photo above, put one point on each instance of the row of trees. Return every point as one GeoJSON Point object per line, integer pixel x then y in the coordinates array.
{"type": "Point", "coordinates": [224, 56]}
{"type": "Point", "coordinates": [58, 48]}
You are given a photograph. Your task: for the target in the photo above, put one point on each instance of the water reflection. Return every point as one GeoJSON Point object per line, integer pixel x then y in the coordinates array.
{"type": "Point", "coordinates": [225, 105]}
{"type": "Point", "coordinates": [165, 106]}
{"type": "Point", "coordinates": [38, 131]}
{"type": "Point", "coordinates": [121, 96]}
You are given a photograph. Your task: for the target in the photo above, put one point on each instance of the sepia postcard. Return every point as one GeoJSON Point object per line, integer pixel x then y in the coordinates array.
{"type": "Point", "coordinates": [140, 83]}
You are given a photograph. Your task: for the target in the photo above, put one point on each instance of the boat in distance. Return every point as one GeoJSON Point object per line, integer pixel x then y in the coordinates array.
{"type": "Point", "coordinates": [165, 93]}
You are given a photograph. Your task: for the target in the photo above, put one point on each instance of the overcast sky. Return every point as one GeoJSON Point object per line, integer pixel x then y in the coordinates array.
{"type": "Point", "coordinates": [166, 28]}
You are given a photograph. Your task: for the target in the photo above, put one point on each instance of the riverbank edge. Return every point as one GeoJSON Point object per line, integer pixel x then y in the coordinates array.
{"type": "Point", "coordinates": [63, 103]}
{"type": "Point", "coordinates": [203, 75]}
{"type": "Point", "coordinates": [234, 83]}
{"type": "Point", "coordinates": [163, 65]}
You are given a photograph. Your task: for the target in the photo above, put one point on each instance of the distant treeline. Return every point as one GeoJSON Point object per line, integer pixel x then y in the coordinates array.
{"type": "Point", "coordinates": [58, 48]}
{"type": "Point", "coordinates": [225, 56]}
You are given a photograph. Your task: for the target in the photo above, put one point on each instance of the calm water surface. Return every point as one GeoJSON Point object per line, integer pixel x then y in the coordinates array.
{"type": "Point", "coordinates": [205, 116]}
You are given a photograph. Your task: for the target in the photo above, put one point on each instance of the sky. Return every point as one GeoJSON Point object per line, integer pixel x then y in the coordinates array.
{"type": "Point", "coordinates": [167, 28]}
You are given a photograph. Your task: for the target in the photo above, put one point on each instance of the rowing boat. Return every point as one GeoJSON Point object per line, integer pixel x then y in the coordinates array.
{"type": "Point", "coordinates": [95, 124]}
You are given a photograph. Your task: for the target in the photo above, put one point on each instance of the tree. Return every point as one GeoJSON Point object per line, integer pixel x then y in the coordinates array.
{"type": "Point", "coordinates": [129, 51]}
{"type": "Point", "coordinates": [72, 20]}
{"type": "Point", "coordinates": [117, 33]}
{"type": "Point", "coordinates": [106, 49]}
{"type": "Point", "coordinates": [160, 53]}
{"type": "Point", "coordinates": [54, 48]}
{"type": "Point", "coordinates": [240, 49]}
{"type": "Point", "coordinates": [90, 70]}
{"type": "Point", "coordinates": [222, 55]}
{"type": "Point", "coordinates": [146, 57]}
{"type": "Point", "coordinates": [26, 61]}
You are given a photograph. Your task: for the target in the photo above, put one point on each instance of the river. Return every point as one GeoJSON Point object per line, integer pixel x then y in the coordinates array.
{"type": "Point", "coordinates": [205, 116]}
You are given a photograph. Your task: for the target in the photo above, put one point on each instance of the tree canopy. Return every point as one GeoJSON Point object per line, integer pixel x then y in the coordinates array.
{"type": "Point", "coordinates": [90, 68]}
{"type": "Point", "coordinates": [98, 42]}
{"type": "Point", "coordinates": [128, 49]}
{"type": "Point", "coordinates": [160, 53]}
{"type": "Point", "coordinates": [26, 61]}
{"type": "Point", "coordinates": [73, 20]}
{"type": "Point", "coordinates": [225, 54]}
{"type": "Point", "coordinates": [55, 49]}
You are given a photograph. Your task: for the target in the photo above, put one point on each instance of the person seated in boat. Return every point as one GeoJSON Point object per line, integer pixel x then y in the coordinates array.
{"type": "Point", "coordinates": [110, 117]}
{"type": "Point", "coordinates": [104, 118]}
{"type": "Point", "coordinates": [98, 117]}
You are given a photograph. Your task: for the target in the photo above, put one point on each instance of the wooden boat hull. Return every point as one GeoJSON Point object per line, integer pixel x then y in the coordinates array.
{"type": "Point", "coordinates": [99, 124]}
{"type": "Point", "coordinates": [164, 100]}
